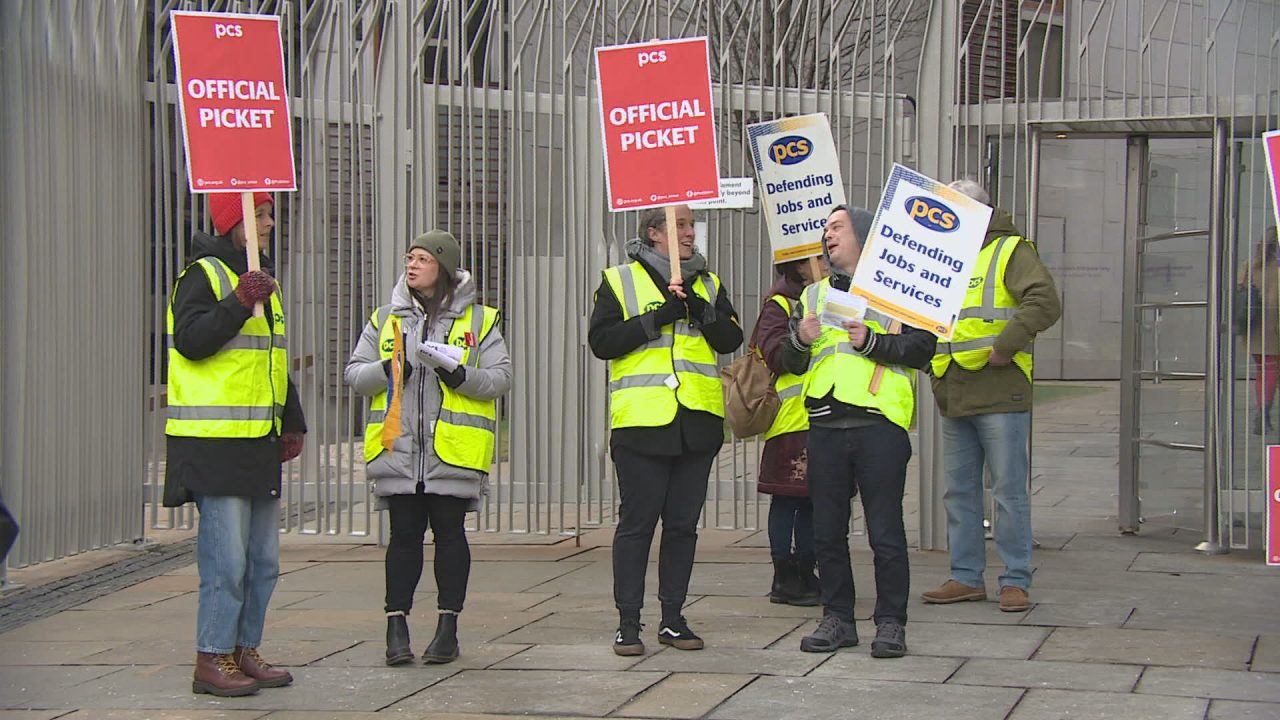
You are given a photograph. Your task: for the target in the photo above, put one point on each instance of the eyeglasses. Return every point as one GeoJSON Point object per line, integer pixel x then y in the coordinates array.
{"type": "Point", "coordinates": [411, 260]}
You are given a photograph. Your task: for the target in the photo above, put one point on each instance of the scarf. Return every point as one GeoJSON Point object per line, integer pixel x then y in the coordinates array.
{"type": "Point", "coordinates": [641, 250]}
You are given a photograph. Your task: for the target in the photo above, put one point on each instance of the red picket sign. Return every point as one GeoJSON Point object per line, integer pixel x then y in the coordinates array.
{"type": "Point", "coordinates": [235, 108]}
{"type": "Point", "coordinates": [1273, 505]}
{"type": "Point", "coordinates": [659, 133]}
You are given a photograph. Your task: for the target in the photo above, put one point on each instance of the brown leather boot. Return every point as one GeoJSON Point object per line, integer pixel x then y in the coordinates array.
{"type": "Point", "coordinates": [252, 664]}
{"type": "Point", "coordinates": [219, 675]}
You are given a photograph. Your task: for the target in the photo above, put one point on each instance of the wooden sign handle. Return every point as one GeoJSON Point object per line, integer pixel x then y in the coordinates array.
{"type": "Point", "coordinates": [895, 327]}
{"type": "Point", "coordinates": [815, 269]}
{"type": "Point", "coordinates": [251, 238]}
{"type": "Point", "coordinates": [673, 246]}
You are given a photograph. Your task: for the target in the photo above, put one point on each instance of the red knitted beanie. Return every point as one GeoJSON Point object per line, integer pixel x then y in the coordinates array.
{"type": "Point", "coordinates": [225, 209]}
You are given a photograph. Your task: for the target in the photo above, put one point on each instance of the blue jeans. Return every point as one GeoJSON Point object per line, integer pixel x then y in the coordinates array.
{"type": "Point", "coordinates": [790, 517]}
{"type": "Point", "coordinates": [999, 439]}
{"type": "Point", "coordinates": [238, 554]}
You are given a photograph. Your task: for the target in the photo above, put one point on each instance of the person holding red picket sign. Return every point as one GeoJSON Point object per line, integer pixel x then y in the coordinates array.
{"type": "Point", "coordinates": [661, 336]}
{"type": "Point", "coordinates": [234, 418]}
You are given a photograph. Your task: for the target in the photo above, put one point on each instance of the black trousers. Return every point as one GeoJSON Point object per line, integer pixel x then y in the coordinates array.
{"type": "Point", "coordinates": [670, 487]}
{"type": "Point", "coordinates": [410, 517]}
{"type": "Point", "coordinates": [870, 461]}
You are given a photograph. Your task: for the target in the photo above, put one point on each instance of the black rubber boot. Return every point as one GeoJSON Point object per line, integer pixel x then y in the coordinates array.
{"type": "Point", "coordinates": [784, 581]}
{"type": "Point", "coordinates": [807, 590]}
{"type": "Point", "coordinates": [398, 648]}
{"type": "Point", "coordinates": [444, 646]}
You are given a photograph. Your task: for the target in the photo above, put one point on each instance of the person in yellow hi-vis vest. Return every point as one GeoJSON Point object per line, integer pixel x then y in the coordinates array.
{"type": "Point", "coordinates": [434, 363]}
{"type": "Point", "coordinates": [858, 441]}
{"type": "Point", "coordinates": [233, 418]}
{"type": "Point", "coordinates": [785, 458]}
{"type": "Point", "coordinates": [982, 385]}
{"type": "Point", "coordinates": [666, 410]}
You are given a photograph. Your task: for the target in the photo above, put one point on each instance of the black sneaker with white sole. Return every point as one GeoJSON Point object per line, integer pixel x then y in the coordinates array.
{"type": "Point", "coordinates": [627, 641]}
{"type": "Point", "coordinates": [678, 635]}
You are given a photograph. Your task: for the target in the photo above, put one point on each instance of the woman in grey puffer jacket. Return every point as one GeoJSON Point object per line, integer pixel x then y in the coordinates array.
{"type": "Point", "coordinates": [430, 458]}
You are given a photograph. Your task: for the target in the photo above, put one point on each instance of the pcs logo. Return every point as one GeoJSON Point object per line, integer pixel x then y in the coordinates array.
{"type": "Point", "coordinates": [653, 306]}
{"type": "Point", "coordinates": [790, 150]}
{"type": "Point", "coordinates": [932, 214]}
{"type": "Point", "coordinates": [388, 345]}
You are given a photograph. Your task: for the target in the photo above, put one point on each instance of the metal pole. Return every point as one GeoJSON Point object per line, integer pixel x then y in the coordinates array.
{"type": "Point", "coordinates": [1131, 342]}
{"type": "Point", "coordinates": [1212, 544]}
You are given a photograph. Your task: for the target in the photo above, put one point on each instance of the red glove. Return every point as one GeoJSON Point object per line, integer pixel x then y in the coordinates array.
{"type": "Point", "coordinates": [290, 446]}
{"type": "Point", "coordinates": [255, 287]}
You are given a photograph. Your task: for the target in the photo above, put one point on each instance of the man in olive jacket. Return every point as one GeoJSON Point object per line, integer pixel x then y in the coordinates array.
{"type": "Point", "coordinates": [982, 384]}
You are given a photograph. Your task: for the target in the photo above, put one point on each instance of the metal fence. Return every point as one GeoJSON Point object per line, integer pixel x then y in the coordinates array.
{"type": "Point", "coordinates": [478, 116]}
{"type": "Point", "coordinates": [72, 152]}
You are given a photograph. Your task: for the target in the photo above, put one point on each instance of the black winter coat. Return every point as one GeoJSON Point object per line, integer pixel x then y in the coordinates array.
{"type": "Point", "coordinates": [247, 467]}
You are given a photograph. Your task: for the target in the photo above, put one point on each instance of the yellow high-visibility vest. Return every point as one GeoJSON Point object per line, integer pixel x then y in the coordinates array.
{"type": "Point", "coordinates": [678, 368]}
{"type": "Point", "coordinates": [792, 416]}
{"type": "Point", "coordinates": [465, 433]}
{"type": "Point", "coordinates": [836, 368]}
{"type": "Point", "coordinates": [239, 391]}
{"type": "Point", "coordinates": [988, 307]}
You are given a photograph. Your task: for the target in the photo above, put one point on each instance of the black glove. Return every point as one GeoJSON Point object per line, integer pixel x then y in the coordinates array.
{"type": "Point", "coordinates": [386, 368]}
{"type": "Point", "coordinates": [452, 379]}
{"type": "Point", "coordinates": [670, 311]}
{"type": "Point", "coordinates": [698, 309]}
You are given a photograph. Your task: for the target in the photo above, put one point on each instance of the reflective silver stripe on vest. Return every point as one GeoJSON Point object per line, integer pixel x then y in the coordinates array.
{"type": "Point", "coordinates": [664, 340]}
{"type": "Point", "coordinates": [248, 342]}
{"type": "Point", "coordinates": [876, 316]}
{"type": "Point", "coordinates": [638, 381]}
{"type": "Point", "coordinates": [629, 301]}
{"type": "Point", "coordinates": [684, 328]}
{"type": "Point", "coordinates": [224, 412]}
{"type": "Point", "coordinates": [477, 325]}
{"type": "Point", "coordinates": [947, 348]}
{"type": "Point", "coordinates": [848, 349]}
{"type": "Point", "coordinates": [791, 392]}
{"type": "Point", "coordinates": [811, 298]}
{"type": "Point", "coordinates": [696, 368]}
{"type": "Point", "coordinates": [223, 278]}
{"type": "Point", "coordinates": [377, 416]}
{"type": "Point", "coordinates": [709, 287]}
{"type": "Point", "coordinates": [986, 313]}
{"type": "Point", "coordinates": [988, 286]}
{"type": "Point", "coordinates": [451, 417]}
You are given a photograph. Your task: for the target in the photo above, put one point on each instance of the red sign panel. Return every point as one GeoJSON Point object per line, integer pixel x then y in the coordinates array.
{"type": "Point", "coordinates": [1271, 146]}
{"type": "Point", "coordinates": [659, 135]}
{"type": "Point", "coordinates": [235, 109]}
{"type": "Point", "coordinates": [1273, 505]}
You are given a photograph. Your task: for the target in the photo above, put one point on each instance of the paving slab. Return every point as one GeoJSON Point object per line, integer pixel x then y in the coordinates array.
{"type": "Point", "coordinates": [531, 692]}
{"type": "Point", "coordinates": [163, 687]}
{"type": "Point", "coordinates": [168, 650]}
{"type": "Point", "coordinates": [734, 661]}
{"type": "Point", "coordinates": [684, 695]}
{"type": "Point", "coordinates": [964, 640]}
{"type": "Point", "coordinates": [1234, 564]}
{"type": "Point", "coordinates": [1266, 656]}
{"type": "Point", "coordinates": [372, 654]}
{"type": "Point", "coordinates": [31, 652]}
{"type": "Point", "coordinates": [101, 625]}
{"type": "Point", "coordinates": [571, 657]}
{"type": "Point", "coordinates": [780, 698]}
{"type": "Point", "coordinates": [1148, 647]}
{"type": "Point", "coordinates": [1224, 621]}
{"type": "Point", "coordinates": [1076, 705]}
{"type": "Point", "coordinates": [857, 664]}
{"type": "Point", "coordinates": [1234, 710]}
{"type": "Point", "coordinates": [28, 687]}
{"type": "Point", "coordinates": [34, 714]}
{"type": "Point", "coordinates": [1210, 683]}
{"type": "Point", "coordinates": [1075, 615]}
{"type": "Point", "coordinates": [1041, 674]}
{"type": "Point", "coordinates": [169, 714]}
{"type": "Point", "coordinates": [978, 613]}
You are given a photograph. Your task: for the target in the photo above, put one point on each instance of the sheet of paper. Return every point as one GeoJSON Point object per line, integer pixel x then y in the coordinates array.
{"type": "Point", "coordinates": [446, 356]}
{"type": "Point", "coordinates": [841, 307]}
